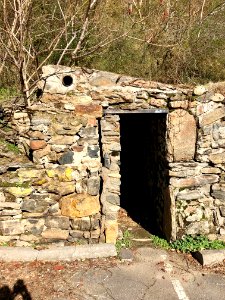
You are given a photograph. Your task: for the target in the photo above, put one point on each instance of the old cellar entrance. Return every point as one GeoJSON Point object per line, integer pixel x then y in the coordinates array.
{"type": "Point", "coordinates": [143, 169]}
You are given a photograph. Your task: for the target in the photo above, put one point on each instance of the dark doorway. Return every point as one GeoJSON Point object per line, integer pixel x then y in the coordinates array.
{"type": "Point", "coordinates": [144, 169]}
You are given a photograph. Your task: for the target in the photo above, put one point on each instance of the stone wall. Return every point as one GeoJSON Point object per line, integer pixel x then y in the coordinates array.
{"type": "Point", "coordinates": [65, 187]}
{"type": "Point", "coordinates": [56, 196]}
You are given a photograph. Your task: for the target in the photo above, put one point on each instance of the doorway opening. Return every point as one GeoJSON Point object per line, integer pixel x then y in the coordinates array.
{"type": "Point", "coordinates": [144, 178]}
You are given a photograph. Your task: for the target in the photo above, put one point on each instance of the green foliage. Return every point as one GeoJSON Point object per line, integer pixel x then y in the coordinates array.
{"type": "Point", "coordinates": [175, 48]}
{"type": "Point", "coordinates": [153, 41]}
{"type": "Point", "coordinates": [10, 146]}
{"type": "Point", "coordinates": [188, 243]}
{"type": "Point", "coordinates": [125, 242]}
{"type": "Point", "coordinates": [192, 244]}
{"type": "Point", "coordinates": [4, 244]}
{"type": "Point", "coordinates": [6, 93]}
{"type": "Point", "coordinates": [160, 242]}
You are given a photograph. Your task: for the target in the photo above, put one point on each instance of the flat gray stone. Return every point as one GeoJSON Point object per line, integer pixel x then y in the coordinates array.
{"type": "Point", "coordinates": [56, 254]}
{"type": "Point", "coordinates": [93, 185]}
{"type": "Point", "coordinates": [148, 254]}
{"type": "Point", "coordinates": [94, 251]}
{"type": "Point", "coordinates": [67, 253]}
{"type": "Point", "coordinates": [17, 254]}
{"type": "Point", "coordinates": [126, 255]}
{"type": "Point", "coordinates": [209, 257]}
{"type": "Point", "coordinates": [66, 158]}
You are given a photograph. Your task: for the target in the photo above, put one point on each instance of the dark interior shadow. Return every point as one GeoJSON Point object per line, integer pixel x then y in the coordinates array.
{"type": "Point", "coordinates": [19, 288]}
{"type": "Point", "coordinates": [144, 169]}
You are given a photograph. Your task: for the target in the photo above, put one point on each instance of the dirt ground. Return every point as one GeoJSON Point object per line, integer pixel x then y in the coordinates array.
{"type": "Point", "coordinates": [64, 280]}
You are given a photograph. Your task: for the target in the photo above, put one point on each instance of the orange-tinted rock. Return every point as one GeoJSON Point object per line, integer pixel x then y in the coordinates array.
{"type": "Point", "coordinates": [111, 232]}
{"type": "Point", "coordinates": [79, 205]}
{"type": "Point", "coordinates": [92, 109]}
{"type": "Point", "coordinates": [37, 144]}
{"type": "Point", "coordinates": [78, 148]}
{"type": "Point", "coordinates": [92, 121]}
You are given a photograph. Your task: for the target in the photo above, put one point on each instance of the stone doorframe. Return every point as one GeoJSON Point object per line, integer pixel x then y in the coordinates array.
{"type": "Point", "coordinates": [109, 128]}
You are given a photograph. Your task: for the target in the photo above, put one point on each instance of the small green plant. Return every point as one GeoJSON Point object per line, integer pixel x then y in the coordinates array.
{"type": "Point", "coordinates": [125, 242]}
{"type": "Point", "coordinates": [160, 242]}
{"type": "Point", "coordinates": [13, 148]}
{"type": "Point", "coordinates": [4, 244]}
{"type": "Point", "coordinates": [191, 244]}
{"type": "Point", "coordinates": [188, 243]}
{"type": "Point", "coordinates": [9, 146]}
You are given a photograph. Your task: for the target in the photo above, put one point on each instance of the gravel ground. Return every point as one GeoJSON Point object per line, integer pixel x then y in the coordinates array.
{"type": "Point", "coordinates": [39, 280]}
{"type": "Point", "coordinates": [64, 281]}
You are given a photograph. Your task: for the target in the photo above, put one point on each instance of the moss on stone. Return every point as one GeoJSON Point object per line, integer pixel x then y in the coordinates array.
{"type": "Point", "coordinates": [25, 184]}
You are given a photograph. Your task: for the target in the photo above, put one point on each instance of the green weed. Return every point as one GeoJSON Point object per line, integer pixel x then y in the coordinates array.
{"type": "Point", "coordinates": [188, 243]}
{"type": "Point", "coordinates": [10, 146]}
{"type": "Point", "coordinates": [4, 244]}
{"type": "Point", "coordinates": [125, 242]}
{"type": "Point", "coordinates": [191, 244]}
{"type": "Point", "coordinates": [160, 242]}
{"type": "Point", "coordinates": [13, 148]}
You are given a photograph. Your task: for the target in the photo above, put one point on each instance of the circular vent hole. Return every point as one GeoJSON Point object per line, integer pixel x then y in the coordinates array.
{"type": "Point", "coordinates": [67, 80]}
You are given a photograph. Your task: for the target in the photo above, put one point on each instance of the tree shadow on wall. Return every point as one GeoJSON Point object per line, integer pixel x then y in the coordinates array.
{"type": "Point", "coordinates": [19, 289]}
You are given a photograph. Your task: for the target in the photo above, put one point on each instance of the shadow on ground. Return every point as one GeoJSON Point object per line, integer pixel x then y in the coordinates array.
{"type": "Point", "coordinates": [19, 288]}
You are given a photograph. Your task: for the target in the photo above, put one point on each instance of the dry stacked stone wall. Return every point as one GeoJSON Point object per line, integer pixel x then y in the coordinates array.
{"type": "Point", "coordinates": [65, 186]}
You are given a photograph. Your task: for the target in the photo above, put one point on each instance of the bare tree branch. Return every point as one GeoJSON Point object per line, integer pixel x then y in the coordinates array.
{"type": "Point", "coordinates": [91, 6]}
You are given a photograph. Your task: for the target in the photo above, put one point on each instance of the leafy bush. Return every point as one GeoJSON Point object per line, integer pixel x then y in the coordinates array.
{"type": "Point", "coordinates": [192, 244]}
{"type": "Point", "coordinates": [160, 242]}
{"type": "Point", "coordinates": [189, 243]}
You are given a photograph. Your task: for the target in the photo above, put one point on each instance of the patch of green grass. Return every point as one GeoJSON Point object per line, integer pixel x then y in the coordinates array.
{"type": "Point", "coordinates": [188, 243]}
{"type": "Point", "coordinates": [10, 146]}
{"type": "Point", "coordinates": [125, 242]}
{"type": "Point", "coordinates": [13, 148]}
{"type": "Point", "coordinates": [6, 93]}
